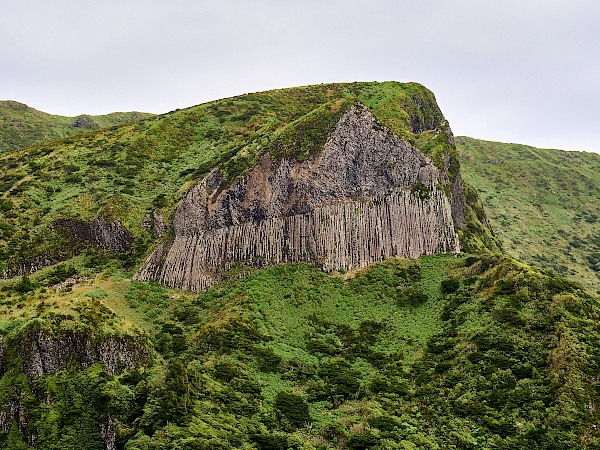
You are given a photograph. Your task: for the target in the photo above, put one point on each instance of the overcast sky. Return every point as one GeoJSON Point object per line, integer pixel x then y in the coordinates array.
{"type": "Point", "coordinates": [524, 71]}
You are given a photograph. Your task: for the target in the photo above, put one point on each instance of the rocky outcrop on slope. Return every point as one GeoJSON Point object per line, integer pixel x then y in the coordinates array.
{"type": "Point", "coordinates": [109, 236]}
{"type": "Point", "coordinates": [40, 352]}
{"type": "Point", "coordinates": [365, 196]}
{"type": "Point", "coordinates": [43, 353]}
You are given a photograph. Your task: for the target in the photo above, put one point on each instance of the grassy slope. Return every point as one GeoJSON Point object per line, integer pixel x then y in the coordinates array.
{"type": "Point", "coordinates": [543, 204]}
{"type": "Point", "coordinates": [22, 126]}
{"type": "Point", "coordinates": [439, 352]}
{"type": "Point", "coordinates": [126, 172]}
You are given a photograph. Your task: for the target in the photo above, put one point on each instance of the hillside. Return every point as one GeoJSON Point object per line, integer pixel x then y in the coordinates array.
{"type": "Point", "coordinates": [543, 204]}
{"type": "Point", "coordinates": [355, 298]}
{"type": "Point", "coordinates": [431, 353]}
{"type": "Point", "coordinates": [22, 126]}
{"type": "Point", "coordinates": [133, 177]}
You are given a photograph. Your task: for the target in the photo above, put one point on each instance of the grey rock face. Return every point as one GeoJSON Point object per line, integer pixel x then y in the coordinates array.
{"type": "Point", "coordinates": [109, 236]}
{"type": "Point", "coordinates": [347, 206]}
{"type": "Point", "coordinates": [43, 353]}
{"type": "Point", "coordinates": [458, 202]}
{"type": "Point", "coordinates": [109, 434]}
{"type": "Point", "coordinates": [27, 267]}
{"type": "Point", "coordinates": [159, 228]}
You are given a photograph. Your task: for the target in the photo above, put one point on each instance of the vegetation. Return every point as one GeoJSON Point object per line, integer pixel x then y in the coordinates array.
{"type": "Point", "coordinates": [542, 204]}
{"type": "Point", "coordinates": [440, 352]}
{"type": "Point", "coordinates": [22, 126]}
{"type": "Point", "coordinates": [477, 351]}
{"type": "Point", "coordinates": [125, 173]}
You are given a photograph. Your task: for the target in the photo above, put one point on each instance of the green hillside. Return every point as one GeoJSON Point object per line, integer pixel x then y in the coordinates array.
{"type": "Point", "coordinates": [439, 352]}
{"type": "Point", "coordinates": [126, 173]}
{"type": "Point", "coordinates": [544, 205]}
{"type": "Point", "coordinates": [470, 351]}
{"type": "Point", "coordinates": [22, 126]}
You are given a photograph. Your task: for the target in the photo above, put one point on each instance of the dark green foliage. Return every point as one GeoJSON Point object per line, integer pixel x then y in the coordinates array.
{"type": "Point", "coordinates": [226, 371]}
{"type": "Point", "coordinates": [171, 339]}
{"type": "Point", "coordinates": [267, 360]}
{"type": "Point", "coordinates": [269, 441]}
{"type": "Point", "coordinates": [450, 285]}
{"type": "Point", "coordinates": [6, 205]}
{"type": "Point", "coordinates": [177, 401]}
{"type": "Point", "coordinates": [160, 201]}
{"type": "Point", "coordinates": [412, 296]}
{"type": "Point", "coordinates": [341, 380]}
{"type": "Point", "coordinates": [420, 191]}
{"type": "Point", "coordinates": [293, 407]}
{"type": "Point", "coordinates": [492, 346]}
{"type": "Point", "coordinates": [58, 274]}
{"type": "Point", "coordinates": [23, 286]}
{"type": "Point", "coordinates": [362, 441]}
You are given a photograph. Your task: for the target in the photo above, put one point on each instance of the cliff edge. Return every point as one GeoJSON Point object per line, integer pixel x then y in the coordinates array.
{"type": "Point", "coordinates": [365, 196]}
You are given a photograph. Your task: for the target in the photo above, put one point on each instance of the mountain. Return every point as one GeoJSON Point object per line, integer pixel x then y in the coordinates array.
{"type": "Point", "coordinates": [113, 188]}
{"type": "Point", "coordinates": [22, 126]}
{"type": "Point", "coordinates": [300, 268]}
{"type": "Point", "coordinates": [543, 204]}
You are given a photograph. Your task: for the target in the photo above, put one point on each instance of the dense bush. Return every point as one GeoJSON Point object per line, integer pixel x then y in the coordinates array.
{"type": "Point", "coordinates": [293, 407]}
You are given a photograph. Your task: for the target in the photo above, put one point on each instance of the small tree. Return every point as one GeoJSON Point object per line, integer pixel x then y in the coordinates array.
{"type": "Point", "coordinates": [293, 407]}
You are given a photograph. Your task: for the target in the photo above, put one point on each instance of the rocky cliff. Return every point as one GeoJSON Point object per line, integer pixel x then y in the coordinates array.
{"type": "Point", "coordinates": [367, 195]}
{"type": "Point", "coordinates": [40, 352]}
{"type": "Point", "coordinates": [109, 236]}
{"type": "Point", "coordinates": [43, 354]}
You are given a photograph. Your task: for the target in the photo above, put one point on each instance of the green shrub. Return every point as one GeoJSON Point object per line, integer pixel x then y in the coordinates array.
{"type": "Point", "coordinates": [293, 407]}
{"type": "Point", "coordinates": [25, 285]}
{"type": "Point", "coordinates": [450, 285]}
{"type": "Point", "coordinates": [267, 360]}
{"type": "Point", "coordinates": [269, 441]}
{"type": "Point", "coordinates": [420, 191]}
{"type": "Point", "coordinates": [6, 204]}
{"type": "Point", "coordinates": [362, 441]}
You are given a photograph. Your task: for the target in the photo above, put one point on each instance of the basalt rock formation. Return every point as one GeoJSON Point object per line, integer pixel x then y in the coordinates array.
{"type": "Point", "coordinates": [42, 352]}
{"type": "Point", "coordinates": [105, 235]}
{"type": "Point", "coordinates": [367, 195]}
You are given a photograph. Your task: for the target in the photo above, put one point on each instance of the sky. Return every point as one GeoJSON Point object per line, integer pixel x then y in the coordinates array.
{"type": "Point", "coordinates": [524, 71]}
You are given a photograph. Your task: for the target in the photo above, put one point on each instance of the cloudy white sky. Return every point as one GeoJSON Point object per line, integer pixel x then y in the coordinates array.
{"type": "Point", "coordinates": [525, 71]}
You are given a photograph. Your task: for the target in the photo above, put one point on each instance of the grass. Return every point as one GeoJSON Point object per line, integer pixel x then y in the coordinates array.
{"type": "Point", "coordinates": [542, 204]}
{"type": "Point", "coordinates": [427, 352]}
{"type": "Point", "coordinates": [22, 126]}
{"type": "Point", "coordinates": [472, 351]}
{"type": "Point", "coordinates": [127, 171]}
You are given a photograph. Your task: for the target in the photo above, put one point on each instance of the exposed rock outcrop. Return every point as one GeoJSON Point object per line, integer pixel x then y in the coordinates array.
{"type": "Point", "coordinates": [352, 203]}
{"type": "Point", "coordinates": [42, 353]}
{"type": "Point", "coordinates": [86, 122]}
{"type": "Point", "coordinates": [109, 236]}
{"type": "Point", "coordinates": [27, 266]}
{"type": "Point", "coordinates": [109, 434]}
{"type": "Point", "coordinates": [158, 224]}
